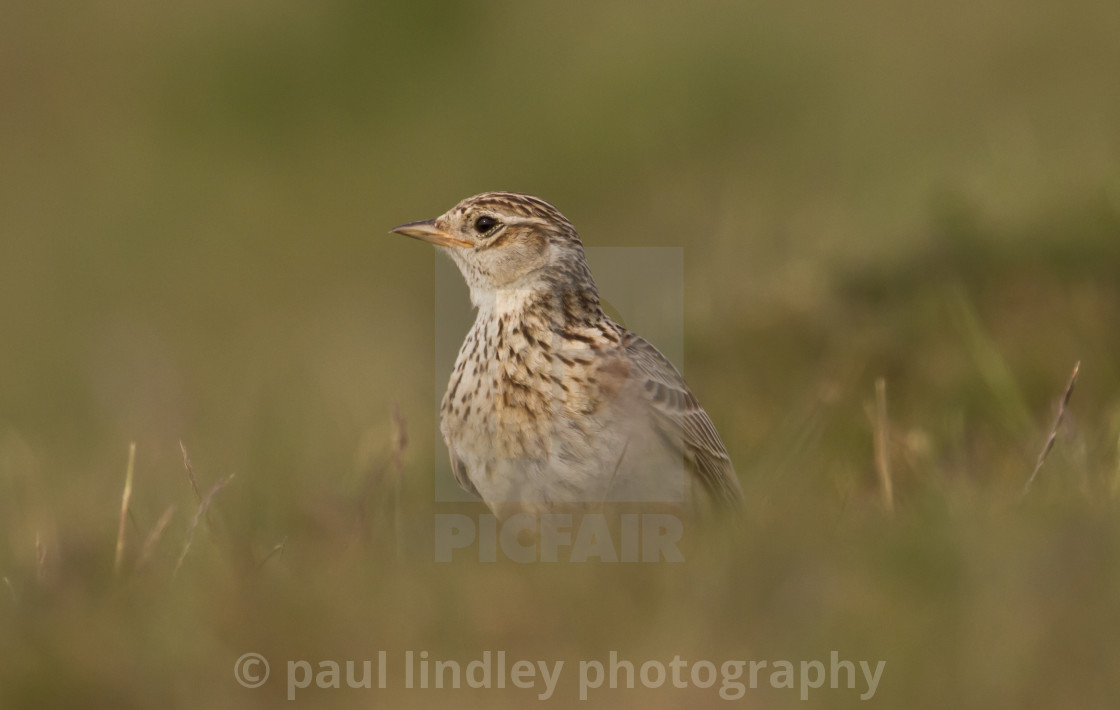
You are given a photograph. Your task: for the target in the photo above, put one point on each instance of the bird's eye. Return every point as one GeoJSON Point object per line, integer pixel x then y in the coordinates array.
{"type": "Point", "coordinates": [484, 224]}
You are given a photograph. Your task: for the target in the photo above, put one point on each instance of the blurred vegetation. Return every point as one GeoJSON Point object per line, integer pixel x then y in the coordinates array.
{"type": "Point", "coordinates": [193, 207]}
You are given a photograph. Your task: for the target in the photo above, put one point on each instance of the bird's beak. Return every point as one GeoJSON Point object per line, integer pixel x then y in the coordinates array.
{"type": "Point", "coordinates": [427, 231]}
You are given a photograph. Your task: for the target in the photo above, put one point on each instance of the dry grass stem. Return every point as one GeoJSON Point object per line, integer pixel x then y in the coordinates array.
{"type": "Point", "coordinates": [400, 442]}
{"type": "Point", "coordinates": [40, 558]}
{"type": "Point", "coordinates": [125, 498]}
{"type": "Point", "coordinates": [277, 550]}
{"type": "Point", "coordinates": [882, 437]}
{"type": "Point", "coordinates": [1062, 405]}
{"type": "Point", "coordinates": [202, 508]}
{"type": "Point", "coordinates": [1116, 476]}
{"type": "Point", "coordinates": [190, 471]}
{"type": "Point", "coordinates": [154, 538]}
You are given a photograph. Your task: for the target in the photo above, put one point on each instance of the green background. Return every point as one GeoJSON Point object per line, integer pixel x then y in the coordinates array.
{"type": "Point", "coordinates": [194, 200]}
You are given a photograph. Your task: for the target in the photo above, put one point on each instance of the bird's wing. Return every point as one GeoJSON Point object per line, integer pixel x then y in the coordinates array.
{"type": "Point", "coordinates": [459, 469]}
{"type": "Point", "coordinates": [686, 424]}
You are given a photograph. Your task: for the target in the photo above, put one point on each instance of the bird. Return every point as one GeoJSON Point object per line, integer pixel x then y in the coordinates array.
{"type": "Point", "coordinates": [551, 404]}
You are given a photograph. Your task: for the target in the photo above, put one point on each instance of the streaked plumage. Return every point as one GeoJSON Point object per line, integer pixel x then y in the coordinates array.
{"type": "Point", "coordinates": [552, 404]}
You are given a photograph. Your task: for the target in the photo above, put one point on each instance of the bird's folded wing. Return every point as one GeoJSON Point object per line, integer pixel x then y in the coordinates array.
{"type": "Point", "coordinates": [459, 469]}
{"type": "Point", "coordinates": [685, 423]}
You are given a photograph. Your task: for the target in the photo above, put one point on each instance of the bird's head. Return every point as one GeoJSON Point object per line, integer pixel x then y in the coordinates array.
{"type": "Point", "coordinates": [508, 241]}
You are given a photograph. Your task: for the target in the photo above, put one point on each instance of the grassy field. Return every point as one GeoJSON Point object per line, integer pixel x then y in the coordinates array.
{"type": "Point", "coordinates": [194, 202]}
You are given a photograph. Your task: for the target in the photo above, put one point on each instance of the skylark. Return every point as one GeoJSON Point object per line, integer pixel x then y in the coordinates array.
{"type": "Point", "coordinates": [552, 405]}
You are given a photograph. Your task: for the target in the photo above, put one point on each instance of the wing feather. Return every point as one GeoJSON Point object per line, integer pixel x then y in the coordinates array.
{"type": "Point", "coordinates": [459, 469]}
{"type": "Point", "coordinates": [685, 422]}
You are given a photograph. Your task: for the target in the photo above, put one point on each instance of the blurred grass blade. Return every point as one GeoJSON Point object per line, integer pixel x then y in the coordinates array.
{"type": "Point", "coordinates": [993, 368]}
{"type": "Point", "coordinates": [1062, 405]}
{"type": "Point", "coordinates": [190, 471]}
{"type": "Point", "coordinates": [882, 439]}
{"type": "Point", "coordinates": [153, 538]}
{"type": "Point", "coordinates": [202, 508]}
{"type": "Point", "coordinates": [1116, 475]}
{"type": "Point", "coordinates": [400, 443]}
{"type": "Point", "coordinates": [125, 498]}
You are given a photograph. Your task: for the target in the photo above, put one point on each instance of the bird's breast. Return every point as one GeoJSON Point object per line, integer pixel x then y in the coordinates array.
{"type": "Point", "coordinates": [522, 391]}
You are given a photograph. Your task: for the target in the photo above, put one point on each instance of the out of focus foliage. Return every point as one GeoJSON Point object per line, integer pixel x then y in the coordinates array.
{"type": "Point", "coordinates": [194, 201]}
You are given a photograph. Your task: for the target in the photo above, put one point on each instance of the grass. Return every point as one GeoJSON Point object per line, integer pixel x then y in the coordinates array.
{"type": "Point", "coordinates": [125, 498]}
{"type": "Point", "coordinates": [1062, 405]}
{"type": "Point", "coordinates": [900, 233]}
{"type": "Point", "coordinates": [973, 594]}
